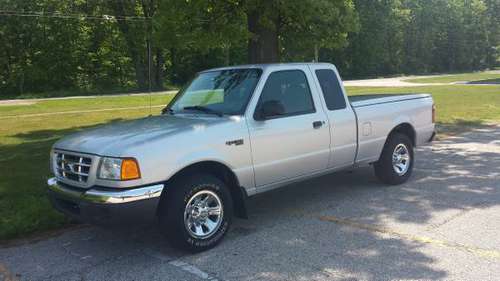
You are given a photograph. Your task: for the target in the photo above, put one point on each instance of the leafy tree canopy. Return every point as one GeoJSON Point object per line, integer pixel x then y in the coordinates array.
{"type": "Point", "coordinates": [96, 46]}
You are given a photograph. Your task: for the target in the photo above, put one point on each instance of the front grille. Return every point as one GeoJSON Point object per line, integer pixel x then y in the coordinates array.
{"type": "Point", "coordinates": [73, 167]}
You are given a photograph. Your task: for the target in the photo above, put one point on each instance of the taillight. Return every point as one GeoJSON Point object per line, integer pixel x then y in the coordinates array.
{"type": "Point", "coordinates": [433, 113]}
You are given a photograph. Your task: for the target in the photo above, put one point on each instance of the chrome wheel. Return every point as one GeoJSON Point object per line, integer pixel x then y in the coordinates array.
{"type": "Point", "coordinates": [203, 214]}
{"type": "Point", "coordinates": [401, 159]}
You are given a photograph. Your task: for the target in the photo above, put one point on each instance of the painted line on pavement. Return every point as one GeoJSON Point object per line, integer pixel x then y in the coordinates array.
{"type": "Point", "coordinates": [480, 252]}
{"type": "Point", "coordinates": [184, 266]}
{"type": "Point", "coordinates": [192, 269]}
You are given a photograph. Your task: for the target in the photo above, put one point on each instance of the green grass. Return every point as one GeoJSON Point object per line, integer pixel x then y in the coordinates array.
{"type": "Point", "coordinates": [26, 141]}
{"type": "Point", "coordinates": [24, 146]}
{"type": "Point", "coordinates": [77, 104]}
{"type": "Point", "coordinates": [469, 77]}
{"type": "Point", "coordinates": [4, 95]}
{"type": "Point", "coordinates": [457, 105]}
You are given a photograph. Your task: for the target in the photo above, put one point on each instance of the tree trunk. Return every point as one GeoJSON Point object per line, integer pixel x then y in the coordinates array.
{"type": "Point", "coordinates": [140, 70]}
{"type": "Point", "coordinates": [158, 81]}
{"type": "Point", "coordinates": [263, 44]}
{"type": "Point", "coordinates": [173, 68]}
{"type": "Point", "coordinates": [21, 83]}
{"type": "Point", "coordinates": [134, 45]}
{"type": "Point", "coordinates": [227, 58]}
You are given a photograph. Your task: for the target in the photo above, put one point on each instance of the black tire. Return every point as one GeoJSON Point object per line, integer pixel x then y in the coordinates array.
{"type": "Point", "coordinates": [172, 207]}
{"type": "Point", "coordinates": [384, 169]}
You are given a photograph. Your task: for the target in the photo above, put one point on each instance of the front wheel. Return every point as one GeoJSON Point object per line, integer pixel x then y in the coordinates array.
{"type": "Point", "coordinates": [396, 162]}
{"type": "Point", "coordinates": [197, 213]}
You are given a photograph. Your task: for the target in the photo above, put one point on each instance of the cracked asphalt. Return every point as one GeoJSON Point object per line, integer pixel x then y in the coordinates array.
{"type": "Point", "coordinates": [442, 224]}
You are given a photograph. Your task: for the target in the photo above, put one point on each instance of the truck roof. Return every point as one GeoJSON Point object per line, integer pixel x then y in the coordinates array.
{"type": "Point", "coordinates": [267, 65]}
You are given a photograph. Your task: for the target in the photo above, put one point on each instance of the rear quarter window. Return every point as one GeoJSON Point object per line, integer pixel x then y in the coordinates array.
{"type": "Point", "coordinates": [330, 86]}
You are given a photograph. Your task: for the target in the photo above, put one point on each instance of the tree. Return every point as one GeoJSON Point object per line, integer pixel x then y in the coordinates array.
{"type": "Point", "coordinates": [291, 29]}
{"type": "Point", "coordinates": [83, 46]}
{"type": "Point", "coordinates": [135, 34]}
{"type": "Point", "coordinates": [56, 48]}
{"type": "Point", "coordinates": [39, 54]}
{"type": "Point", "coordinates": [263, 23]}
{"type": "Point", "coordinates": [378, 45]}
{"type": "Point", "coordinates": [493, 18]}
{"type": "Point", "coordinates": [198, 34]}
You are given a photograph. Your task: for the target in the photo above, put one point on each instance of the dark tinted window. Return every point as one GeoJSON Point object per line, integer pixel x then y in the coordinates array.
{"type": "Point", "coordinates": [332, 91]}
{"type": "Point", "coordinates": [291, 90]}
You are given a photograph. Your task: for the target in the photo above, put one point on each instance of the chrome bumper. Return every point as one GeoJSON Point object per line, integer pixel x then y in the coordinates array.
{"type": "Point", "coordinates": [108, 196]}
{"type": "Point", "coordinates": [106, 206]}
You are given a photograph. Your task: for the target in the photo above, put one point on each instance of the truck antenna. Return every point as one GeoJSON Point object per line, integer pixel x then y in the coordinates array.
{"type": "Point", "coordinates": [149, 76]}
{"type": "Point", "coordinates": [148, 42]}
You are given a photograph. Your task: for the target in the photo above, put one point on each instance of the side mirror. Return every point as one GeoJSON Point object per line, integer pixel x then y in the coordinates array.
{"type": "Point", "coordinates": [269, 109]}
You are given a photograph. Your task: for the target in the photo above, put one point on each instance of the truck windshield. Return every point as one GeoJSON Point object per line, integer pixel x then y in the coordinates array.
{"type": "Point", "coordinates": [220, 92]}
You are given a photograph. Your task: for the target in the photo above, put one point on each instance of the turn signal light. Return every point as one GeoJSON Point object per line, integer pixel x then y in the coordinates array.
{"type": "Point", "coordinates": [130, 169]}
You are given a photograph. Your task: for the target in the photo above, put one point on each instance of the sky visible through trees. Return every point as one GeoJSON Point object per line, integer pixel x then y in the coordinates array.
{"type": "Point", "coordinates": [98, 46]}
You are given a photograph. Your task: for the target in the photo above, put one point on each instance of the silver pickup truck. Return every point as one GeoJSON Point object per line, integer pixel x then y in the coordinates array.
{"type": "Point", "coordinates": [232, 133]}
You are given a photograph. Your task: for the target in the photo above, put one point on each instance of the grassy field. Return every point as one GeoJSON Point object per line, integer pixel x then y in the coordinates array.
{"type": "Point", "coordinates": [24, 145]}
{"type": "Point", "coordinates": [28, 131]}
{"type": "Point", "coordinates": [486, 76]}
{"type": "Point", "coordinates": [459, 107]}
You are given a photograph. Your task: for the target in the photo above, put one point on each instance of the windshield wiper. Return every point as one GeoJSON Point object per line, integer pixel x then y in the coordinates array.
{"type": "Point", "coordinates": [167, 109]}
{"type": "Point", "coordinates": [204, 109]}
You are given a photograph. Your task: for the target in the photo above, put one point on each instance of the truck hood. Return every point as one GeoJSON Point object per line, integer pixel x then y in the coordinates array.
{"type": "Point", "coordinates": [115, 138]}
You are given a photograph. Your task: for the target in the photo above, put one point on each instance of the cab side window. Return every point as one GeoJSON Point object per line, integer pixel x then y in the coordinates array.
{"type": "Point", "coordinates": [330, 86]}
{"type": "Point", "coordinates": [289, 90]}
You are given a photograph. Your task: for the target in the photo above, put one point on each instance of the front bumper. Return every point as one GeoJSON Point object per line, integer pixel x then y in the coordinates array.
{"type": "Point", "coordinates": [105, 206]}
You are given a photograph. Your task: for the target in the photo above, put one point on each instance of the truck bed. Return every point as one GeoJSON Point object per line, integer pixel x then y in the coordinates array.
{"type": "Point", "coordinates": [378, 114]}
{"type": "Point", "coordinates": [366, 100]}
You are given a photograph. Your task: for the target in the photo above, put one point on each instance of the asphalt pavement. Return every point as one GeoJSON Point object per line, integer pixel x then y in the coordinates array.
{"type": "Point", "coordinates": [442, 224]}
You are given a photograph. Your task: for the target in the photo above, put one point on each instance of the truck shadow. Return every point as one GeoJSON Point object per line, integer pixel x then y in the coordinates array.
{"type": "Point", "coordinates": [460, 126]}
{"type": "Point", "coordinates": [285, 236]}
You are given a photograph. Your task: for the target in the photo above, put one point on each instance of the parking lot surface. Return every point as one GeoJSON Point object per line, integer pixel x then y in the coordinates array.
{"type": "Point", "coordinates": [442, 224]}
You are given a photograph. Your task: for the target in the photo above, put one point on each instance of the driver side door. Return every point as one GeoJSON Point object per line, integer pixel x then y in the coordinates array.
{"type": "Point", "coordinates": [296, 141]}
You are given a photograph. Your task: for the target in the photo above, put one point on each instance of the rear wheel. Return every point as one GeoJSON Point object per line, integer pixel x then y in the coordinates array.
{"type": "Point", "coordinates": [197, 213]}
{"type": "Point", "coordinates": [396, 162]}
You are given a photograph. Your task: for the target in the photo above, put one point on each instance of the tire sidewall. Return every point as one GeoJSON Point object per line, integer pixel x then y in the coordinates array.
{"type": "Point", "coordinates": [405, 141]}
{"type": "Point", "coordinates": [226, 219]}
{"type": "Point", "coordinates": [172, 212]}
{"type": "Point", "coordinates": [384, 167]}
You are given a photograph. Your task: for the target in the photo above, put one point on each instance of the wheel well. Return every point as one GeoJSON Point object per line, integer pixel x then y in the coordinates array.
{"type": "Point", "coordinates": [223, 173]}
{"type": "Point", "coordinates": [406, 129]}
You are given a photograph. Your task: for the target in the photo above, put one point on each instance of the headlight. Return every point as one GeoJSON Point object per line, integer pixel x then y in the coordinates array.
{"type": "Point", "coordinates": [119, 169]}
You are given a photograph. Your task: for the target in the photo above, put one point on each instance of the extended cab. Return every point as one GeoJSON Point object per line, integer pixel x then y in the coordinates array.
{"type": "Point", "coordinates": [232, 133]}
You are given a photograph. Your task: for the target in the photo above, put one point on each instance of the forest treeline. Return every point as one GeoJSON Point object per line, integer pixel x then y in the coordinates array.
{"type": "Point", "coordinates": [99, 46]}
